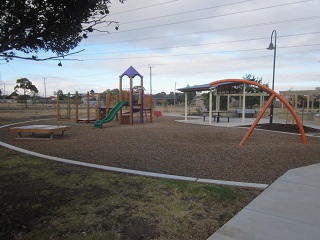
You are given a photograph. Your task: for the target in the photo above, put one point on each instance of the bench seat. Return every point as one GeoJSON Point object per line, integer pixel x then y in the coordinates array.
{"type": "Point", "coordinates": [246, 111]}
{"type": "Point", "coordinates": [40, 129]}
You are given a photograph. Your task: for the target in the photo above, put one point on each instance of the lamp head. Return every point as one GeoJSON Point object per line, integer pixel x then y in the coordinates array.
{"type": "Point", "coordinates": [271, 46]}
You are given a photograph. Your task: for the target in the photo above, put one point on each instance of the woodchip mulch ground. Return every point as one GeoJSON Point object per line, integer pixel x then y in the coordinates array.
{"type": "Point", "coordinates": [170, 147]}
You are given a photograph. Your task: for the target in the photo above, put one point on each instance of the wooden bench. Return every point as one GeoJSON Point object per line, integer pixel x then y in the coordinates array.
{"type": "Point", "coordinates": [40, 129]}
{"type": "Point", "coordinates": [246, 111]}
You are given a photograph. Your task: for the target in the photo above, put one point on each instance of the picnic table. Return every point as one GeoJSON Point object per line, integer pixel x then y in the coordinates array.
{"type": "Point", "coordinates": [216, 115]}
{"type": "Point", "coordinates": [40, 129]}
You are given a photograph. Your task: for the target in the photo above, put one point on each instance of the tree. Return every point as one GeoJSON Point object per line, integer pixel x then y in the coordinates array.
{"type": "Point", "coordinates": [27, 88]}
{"type": "Point", "coordinates": [114, 91]}
{"type": "Point", "coordinates": [190, 98]}
{"type": "Point", "coordinates": [252, 100]}
{"type": "Point", "coordinates": [28, 26]}
{"type": "Point", "coordinates": [60, 94]}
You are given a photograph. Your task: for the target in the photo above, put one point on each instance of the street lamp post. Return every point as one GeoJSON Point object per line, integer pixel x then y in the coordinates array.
{"type": "Point", "coordinates": [273, 47]}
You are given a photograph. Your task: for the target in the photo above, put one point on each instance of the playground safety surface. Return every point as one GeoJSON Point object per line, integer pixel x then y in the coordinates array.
{"type": "Point", "coordinates": [170, 147]}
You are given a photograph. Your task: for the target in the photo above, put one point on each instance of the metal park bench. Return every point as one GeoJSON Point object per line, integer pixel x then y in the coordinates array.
{"type": "Point", "coordinates": [246, 111]}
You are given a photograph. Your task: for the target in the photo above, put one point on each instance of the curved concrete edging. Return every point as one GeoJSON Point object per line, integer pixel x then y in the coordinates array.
{"type": "Point", "coordinates": [130, 171]}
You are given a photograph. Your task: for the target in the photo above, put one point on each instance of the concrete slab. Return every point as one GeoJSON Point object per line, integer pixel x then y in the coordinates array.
{"type": "Point", "coordinates": [261, 226]}
{"type": "Point", "coordinates": [294, 201]}
{"type": "Point", "coordinates": [287, 209]}
{"type": "Point", "coordinates": [309, 175]}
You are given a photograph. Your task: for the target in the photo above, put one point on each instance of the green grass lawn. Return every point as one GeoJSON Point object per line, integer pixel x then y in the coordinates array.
{"type": "Point", "coordinates": [41, 199]}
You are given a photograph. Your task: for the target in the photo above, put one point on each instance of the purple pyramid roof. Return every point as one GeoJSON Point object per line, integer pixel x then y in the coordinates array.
{"type": "Point", "coordinates": [131, 72]}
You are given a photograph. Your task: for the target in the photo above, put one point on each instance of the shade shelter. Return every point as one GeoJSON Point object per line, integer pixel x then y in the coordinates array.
{"type": "Point", "coordinates": [229, 89]}
{"type": "Point", "coordinates": [273, 95]}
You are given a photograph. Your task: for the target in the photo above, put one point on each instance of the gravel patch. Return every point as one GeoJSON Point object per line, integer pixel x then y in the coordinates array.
{"type": "Point", "coordinates": [169, 147]}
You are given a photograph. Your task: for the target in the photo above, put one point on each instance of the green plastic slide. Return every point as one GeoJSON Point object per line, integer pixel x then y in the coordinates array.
{"type": "Point", "coordinates": [111, 114]}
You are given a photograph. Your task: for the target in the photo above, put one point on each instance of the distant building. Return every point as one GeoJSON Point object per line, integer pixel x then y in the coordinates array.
{"type": "Point", "coordinates": [308, 99]}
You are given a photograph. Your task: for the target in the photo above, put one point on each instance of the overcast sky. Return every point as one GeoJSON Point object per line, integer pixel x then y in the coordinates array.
{"type": "Point", "coordinates": [188, 42]}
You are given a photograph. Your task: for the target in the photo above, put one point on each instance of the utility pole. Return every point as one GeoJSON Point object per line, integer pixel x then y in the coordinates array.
{"type": "Point", "coordinates": [4, 91]}
{"type": "Point", "coordinates": [174, 96]}
{"type": "Point", "coordinates": [45, 89]}
{"type": "Point", "coordinates": [150, 79]}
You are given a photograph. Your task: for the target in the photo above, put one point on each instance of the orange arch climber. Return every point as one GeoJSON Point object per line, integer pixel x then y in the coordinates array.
{"type": "Point", "coordinates": [273, 95]}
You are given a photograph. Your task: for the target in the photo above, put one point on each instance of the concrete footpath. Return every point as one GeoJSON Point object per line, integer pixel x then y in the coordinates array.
{"type": "Point", "coordinates": [289, 209]}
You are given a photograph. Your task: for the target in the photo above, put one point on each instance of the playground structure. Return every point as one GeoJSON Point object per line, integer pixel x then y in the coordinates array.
{"type": "Point", "coordinates": [59, 110]}
{"type": "Point", "coordinates": [87, 117]}
{"type": "Point", "coordinates": [144, 103]}
{"type": "Point", "coordinates": [130, 102]}
{"type": "Point", "coordinates": [273, 95]}
{"type": "Point", "coordinates": [123, 107]}
{"type": "Point", "coordinates": [89, 105]}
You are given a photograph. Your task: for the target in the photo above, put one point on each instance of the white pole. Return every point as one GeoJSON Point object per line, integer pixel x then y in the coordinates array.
{"type": "Point", "coordinates": [210, 107]}
{"type": "Point", "coordinates": [174, 96]}
{"type": "Point", "coordinates": [185, 106]}
{"type": "Point", "coordinates": [244, 103]}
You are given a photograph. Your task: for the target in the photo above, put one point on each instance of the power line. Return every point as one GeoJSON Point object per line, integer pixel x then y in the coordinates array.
{"type": "Point", "coordinates": [132, 10]}
{"type": "Point", "coordinates": [214, 30]}
{"type": "Point", "coordinates": [200, 44]}
{"type": "Point", "coordinates": [204, 53]}
{"type": "Point", "coordinates": [192, 11]}
{"type": "Point", "coordinates": [215, 16]}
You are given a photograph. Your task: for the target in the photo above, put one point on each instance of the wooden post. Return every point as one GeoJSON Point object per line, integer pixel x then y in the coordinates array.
{"type": "Point", "coordinates": [98, 107]}
{"type": "Point", "coordinates": [69, 107]}
{"type": "Point", "coordinates": [142, 100]}
{"type": "Point", "coordinates": [77, 106]}
{"type": "Point", "coordinates": [130, 101]}
{"type": "Point", "coordinates": [58, 107]}
{"type": "Point", "coordinates": [120, 97]}
{"type": "Point", "coordinates": [88, 106]}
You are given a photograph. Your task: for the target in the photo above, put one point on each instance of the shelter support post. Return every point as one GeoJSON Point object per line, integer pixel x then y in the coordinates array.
{"type": "Point", "coordinates": [210, 106]}
{"type": "Point", "coordinates": [217, 101]}
{"type": "Point", "coordinates": [185, 106]}
{"type": "Point", "coordinates": [244, 103]}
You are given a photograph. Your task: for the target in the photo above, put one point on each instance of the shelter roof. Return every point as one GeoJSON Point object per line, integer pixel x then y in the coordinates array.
{"type": "Point", "coordinates": [202, 87]}
{"type": "Point", "coordinates": [131, 72]}
{"type": "Point", "coordinates": [222, 87]}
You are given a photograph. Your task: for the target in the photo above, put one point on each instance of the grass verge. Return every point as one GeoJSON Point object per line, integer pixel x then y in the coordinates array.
{"type": "Point", "coordinates": [48, 200]}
